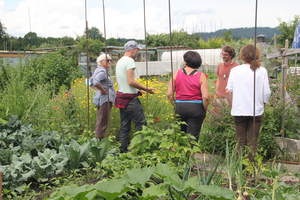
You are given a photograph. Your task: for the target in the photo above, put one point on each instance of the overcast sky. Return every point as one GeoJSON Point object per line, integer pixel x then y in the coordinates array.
{"type": "Point", "coordinates": [125, 18]}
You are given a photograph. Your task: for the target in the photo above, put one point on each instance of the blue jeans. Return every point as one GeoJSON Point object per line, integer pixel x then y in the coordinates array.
{"type": "Point", "coordinates": [132, 112]}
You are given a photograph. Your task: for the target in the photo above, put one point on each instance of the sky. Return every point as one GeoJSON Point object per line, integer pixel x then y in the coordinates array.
{"type": "Point", "coordinates": [125, 18]}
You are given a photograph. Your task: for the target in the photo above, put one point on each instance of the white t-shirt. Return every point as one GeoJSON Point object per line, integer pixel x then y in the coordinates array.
{"type": "Point", "coordinates": [122, 66]}
{"type": "Point", "coordinates": [241, 84]}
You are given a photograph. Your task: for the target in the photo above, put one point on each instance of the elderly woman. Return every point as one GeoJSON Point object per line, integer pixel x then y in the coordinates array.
{"type": "Point", "coordinates": [100, 80]}
{"type": "Point", "coordinates": [192, 94]}
{"type": "Point", "coordinates": [240, 95]}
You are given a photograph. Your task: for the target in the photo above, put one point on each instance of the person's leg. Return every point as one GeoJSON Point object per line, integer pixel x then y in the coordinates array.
{"type": "Point", "coordinates": [196, 115]}
{"type": "Point", "coordinates": [241, 127]}
{"type": "Point", "coordinates": [124, 130]}
{"type": "Point", "coordinates": [180, 110]}
{"type": "Point", "coordinates": [104, 108]}
{"type": "Point", "coordinates": [134, 111]}
{"type": "Point", "coordinates": [253, 135]}
{"type": "Point", "coordinates": [98, 122]}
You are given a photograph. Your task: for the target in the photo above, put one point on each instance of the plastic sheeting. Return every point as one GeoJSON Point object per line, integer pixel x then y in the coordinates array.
{"type": "Point", "coordinates": [210, 60]}
{"type": "Point", "coordinates": [154, 68]}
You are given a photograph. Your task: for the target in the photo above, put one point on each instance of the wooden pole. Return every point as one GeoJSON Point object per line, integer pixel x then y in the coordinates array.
{"type": "Point", "coordinates": [275, 41]}
{"type": "Point", "coordinates": [87, 66]}
{"type": "Point", "coordinates": [283, 83]}
{"type": "Point", "coordinates": [53, 85]}
{"type": "Point", "coordinates": [286, 59]}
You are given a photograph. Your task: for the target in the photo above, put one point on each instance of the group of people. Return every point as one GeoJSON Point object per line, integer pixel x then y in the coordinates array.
{"type": "Point", "coordinates": [188, 91]}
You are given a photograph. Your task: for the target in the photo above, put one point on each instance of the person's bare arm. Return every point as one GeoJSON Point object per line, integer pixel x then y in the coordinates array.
{"type": "Point", "coordinates": [217, 88]}
{"type": "Point", "coordinates": [171, 88]}
{"type": "Point", "coordinates": [132, 82]}
{"type": "Point", "coordinates": [204, 91]}
{"type": "Point", "coordinates": [102, 90]}
{"type": "Point", "coordinates": [229, 98]}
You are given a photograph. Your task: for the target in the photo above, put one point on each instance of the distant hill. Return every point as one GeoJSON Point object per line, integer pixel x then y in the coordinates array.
{"type": "Point", "coordinates": [238, 33]}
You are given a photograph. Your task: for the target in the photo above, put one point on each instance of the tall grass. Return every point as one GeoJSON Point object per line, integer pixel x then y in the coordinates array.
{"type": "Point", "coordinates": [19, 98]}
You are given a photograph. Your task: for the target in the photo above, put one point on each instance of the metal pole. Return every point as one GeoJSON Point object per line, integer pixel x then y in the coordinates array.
{"type": "Point", "coordinates": [283, 67]}
{"type": "Point", "coordinates": [171, 51]}
{"type": "Point", "coordinates": [87, 66]}
{"type": "Point", "coordinates": [108, 110]}
{"type": "Point", "coordinates": [30, 29]}
{"type": "Point", "coordinates": [146, 55]}
{"type": "Point", "coordinates": [254, 66]}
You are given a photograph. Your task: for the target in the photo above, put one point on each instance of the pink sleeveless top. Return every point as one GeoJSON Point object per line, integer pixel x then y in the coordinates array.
{"type": "Point", "coordinates": [188, 87]}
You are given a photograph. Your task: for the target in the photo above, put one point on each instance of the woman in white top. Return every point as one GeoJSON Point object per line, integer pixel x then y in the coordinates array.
{"type": "Point", "coordinates": [240, 96]}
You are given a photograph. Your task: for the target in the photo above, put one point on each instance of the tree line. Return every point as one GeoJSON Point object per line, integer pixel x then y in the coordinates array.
{"type": "Point", "coordinates": [31, 41]}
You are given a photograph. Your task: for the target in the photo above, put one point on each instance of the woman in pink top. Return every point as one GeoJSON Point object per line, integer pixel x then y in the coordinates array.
{"type": "Point", "coordinates": [192, 95]}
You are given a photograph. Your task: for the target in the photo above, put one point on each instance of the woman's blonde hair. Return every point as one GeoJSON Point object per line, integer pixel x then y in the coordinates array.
{"type": "Point", "coordinates": [102, 57]}
{"type": "Point", "coordinates": [247, 55]}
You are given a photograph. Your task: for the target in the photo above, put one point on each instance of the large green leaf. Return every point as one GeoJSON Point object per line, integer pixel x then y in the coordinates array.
{"type": "Point", "coordinates": [216, 192]}
{"type": "Point", "coordinates": [113, 188]}
{"type": "Point", "coordinates": [175, 181]}
{"type": "Point", "coordinates": [164, 170]}
{"type": "Point", "coordinates": [139, 176]}
{"type": "Point", "coordinates": [153, 192]}
{"type": "Point", "coordinates": [76, 153]}
{"type": "Point", "coordinates": [78, 192]}
{"type": "Point", "coordinates": [100, 149]}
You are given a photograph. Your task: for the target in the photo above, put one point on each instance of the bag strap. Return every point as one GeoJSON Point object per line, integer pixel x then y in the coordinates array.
{"type": "Point", "coordinates": [192, 73]}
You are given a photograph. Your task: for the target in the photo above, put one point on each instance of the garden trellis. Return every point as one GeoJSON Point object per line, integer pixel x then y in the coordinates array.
{"type": "Point", "coordinates": [284, 53]}
{"type": "Point", "coordinates": [146, 60]}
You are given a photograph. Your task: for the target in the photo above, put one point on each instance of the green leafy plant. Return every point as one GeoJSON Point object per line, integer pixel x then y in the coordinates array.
{"type": "Point", "coordinates": [168, 144]}
{"type": "Point", "coordinates": [255, 167]}
{"type": "Point", "coordinates": [100, 148]}
{"type": "Point", "coordinates": [75, 153]}
{"type": "Point", "coordinates": [231, 163]}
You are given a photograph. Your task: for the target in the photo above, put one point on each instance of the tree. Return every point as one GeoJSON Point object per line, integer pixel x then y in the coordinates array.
{"type": "Point", "coordinates": [179, 38]}
{"type": "Point", "coordinates": [95, 46]}
{"type": "Point", "coordinates": [95, 34]}
{"type": "Point", "coordinates": [30, 39]}
{"type": "Point", "coordinates": [3, 35]}
{"type": "Point", "coordinates": [288, 30]}
{"type": "Point", "coordinates": [66, 41]}
{"type": "Point", "coordinates": [227, 35]}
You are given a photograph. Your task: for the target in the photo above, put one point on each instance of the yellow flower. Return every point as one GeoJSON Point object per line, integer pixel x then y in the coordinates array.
{"type": "Point", "coordinates": [52, 124]}
{"type": "Point", "coordinates": [95, 109]}
{"type": "Point", "coordinates": [172, 117]}
{"type": "Point", "coordinates": [112, 118]}
{"type": "Point", "coordinates": [167, 118]}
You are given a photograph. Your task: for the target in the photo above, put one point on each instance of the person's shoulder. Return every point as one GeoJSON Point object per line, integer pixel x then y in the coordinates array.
{"type": "Point", "coordinates": [262, 69]}
{"type": "Point", "coordinates": [234, 64]}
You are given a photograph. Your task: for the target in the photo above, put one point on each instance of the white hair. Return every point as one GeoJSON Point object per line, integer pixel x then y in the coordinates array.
{"type": "Point", "coordinates": [102, 57]}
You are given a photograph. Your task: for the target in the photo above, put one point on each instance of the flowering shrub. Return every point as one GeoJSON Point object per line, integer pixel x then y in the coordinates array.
{"type": "Point", "coordinates": [293, 86]}
{"type": "Point", "coordinates": [219, 126]}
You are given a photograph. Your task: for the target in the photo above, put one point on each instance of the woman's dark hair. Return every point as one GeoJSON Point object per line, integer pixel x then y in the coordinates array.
{"type": "Point", "coordinates": [247, 55]}
{"type": "Point", "coordinates": [192, 59]}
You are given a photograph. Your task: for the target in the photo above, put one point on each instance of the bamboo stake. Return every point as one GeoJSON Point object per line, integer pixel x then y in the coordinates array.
{"type": "Point", "coordinates": [87, 65]}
